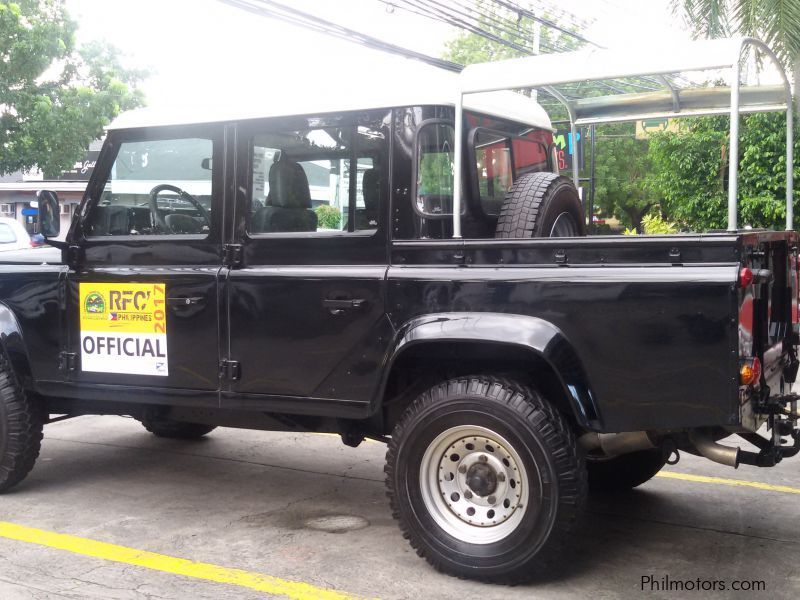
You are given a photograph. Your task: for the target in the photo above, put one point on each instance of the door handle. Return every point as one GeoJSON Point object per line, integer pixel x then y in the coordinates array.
{"type": "Point", "coordinates": [184, 301]}
{"type": "Point", "coordinates": [338, 306]}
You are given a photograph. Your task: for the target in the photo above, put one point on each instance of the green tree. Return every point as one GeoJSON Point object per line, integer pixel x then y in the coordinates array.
{"type": "Point", "coordinates": [328, 217]}
{"type": "Point", "coordinates": [516, 33]}
{"type": "Point", "coordinates": [623, 165]}
{"type": "Point", "coordinates": [515, 30]}
{"type": "Point", "coordinates": [777, 22]}
{"type": "Point", "coordinates": [55, 98]}
{"type": "Point", "coordinates": [690, 172]}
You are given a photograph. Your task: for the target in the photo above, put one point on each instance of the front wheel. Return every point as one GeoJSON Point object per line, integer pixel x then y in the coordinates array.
{"type": "Point", "coordinates": [21, 423]}
{"type": "Point", "coordinates": [486, 479]}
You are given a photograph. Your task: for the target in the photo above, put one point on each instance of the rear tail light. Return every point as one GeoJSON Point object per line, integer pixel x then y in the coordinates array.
{"type": "Point", "coordinates": [745, 277]}
{"type": "Point", "coordinates": [794, 270]}
{"type": "Point", "coordinates": [750, 372]}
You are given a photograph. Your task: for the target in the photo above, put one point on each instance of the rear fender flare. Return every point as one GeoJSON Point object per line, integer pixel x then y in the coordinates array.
{"type": "Point", "coordinates": [533, 334]}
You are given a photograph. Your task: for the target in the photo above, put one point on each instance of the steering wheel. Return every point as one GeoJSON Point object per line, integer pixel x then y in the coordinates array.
{"type": "Point", "coordinates": [157, 219]}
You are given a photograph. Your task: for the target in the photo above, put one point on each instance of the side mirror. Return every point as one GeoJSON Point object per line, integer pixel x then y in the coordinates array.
{"type": "Point", "coordinates": [49, 214]}
{"type": "Point", "coordinates": [206, 164]}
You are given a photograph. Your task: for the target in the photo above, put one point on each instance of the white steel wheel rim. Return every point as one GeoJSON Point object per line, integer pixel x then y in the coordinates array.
{"type": "Point", "coordinates": [564, 226]}
{"type": "Point", "coordinates": [452, 464]}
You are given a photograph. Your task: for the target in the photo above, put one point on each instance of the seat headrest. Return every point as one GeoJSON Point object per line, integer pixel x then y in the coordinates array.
{"type": "Point", "coordinates": [288, 185]}
{"type": "Point", "coordinates": [371, 189]}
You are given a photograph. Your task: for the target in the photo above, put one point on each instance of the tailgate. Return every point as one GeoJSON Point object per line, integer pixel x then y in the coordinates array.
{"type": "Point", "coordinates": [768, 316]}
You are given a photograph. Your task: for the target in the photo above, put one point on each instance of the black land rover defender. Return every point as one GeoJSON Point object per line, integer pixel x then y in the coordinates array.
{"type": "Point", "coordinates": [287, 271]}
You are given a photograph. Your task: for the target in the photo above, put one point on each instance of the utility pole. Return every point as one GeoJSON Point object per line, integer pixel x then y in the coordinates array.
{"type": "Point", "coordinates": [537, 41]}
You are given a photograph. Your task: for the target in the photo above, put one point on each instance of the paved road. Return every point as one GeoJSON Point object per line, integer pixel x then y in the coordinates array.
{"type": "Point", "coordinates": [244, 499]}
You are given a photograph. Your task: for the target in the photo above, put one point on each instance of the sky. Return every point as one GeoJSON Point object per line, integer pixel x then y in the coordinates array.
{"type": "Point", "coordinates": [205, 50]}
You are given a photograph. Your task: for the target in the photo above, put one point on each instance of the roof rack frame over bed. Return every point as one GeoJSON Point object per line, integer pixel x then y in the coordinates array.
{"type": "Point", "coordinates": [547, 71]}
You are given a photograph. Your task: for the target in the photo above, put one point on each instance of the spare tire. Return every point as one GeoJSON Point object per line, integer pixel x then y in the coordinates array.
{"type": "Point", "coordinates": [541, 205]}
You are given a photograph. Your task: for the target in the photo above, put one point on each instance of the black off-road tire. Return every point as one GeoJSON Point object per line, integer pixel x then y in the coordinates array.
{"type": "Point", "coordinates": [177, 430]}
{"type": "Point", "coordinates": [547, 449]}
{"type": "Point", "coordinates": [533, 204]}
{"type": "Point", "coordinates": [624, 472]}
{"type": "Point", "coordinates": [21, 424]}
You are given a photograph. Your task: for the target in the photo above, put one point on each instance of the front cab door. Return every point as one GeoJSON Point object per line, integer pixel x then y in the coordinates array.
{"type": "Point", "coordinates": [143, 293]}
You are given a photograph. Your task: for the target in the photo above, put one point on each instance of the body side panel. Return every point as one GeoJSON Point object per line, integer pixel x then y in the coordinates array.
{"type": "Point", "coordinates": [655, 342]}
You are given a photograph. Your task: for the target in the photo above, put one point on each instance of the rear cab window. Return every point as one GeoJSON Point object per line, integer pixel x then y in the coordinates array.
{"type": "Point", "coordinates": [499, 152]}
{"type": "Point", "coordinates": [316, 181]}
{"type": "Point", "coordinates": [500, 158]}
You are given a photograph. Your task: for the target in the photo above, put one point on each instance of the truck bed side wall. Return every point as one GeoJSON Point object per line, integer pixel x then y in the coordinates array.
{"type": "Point", "coordinates": [655, 339]}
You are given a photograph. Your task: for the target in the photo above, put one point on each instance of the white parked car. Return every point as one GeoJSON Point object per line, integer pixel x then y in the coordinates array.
{"type": "Point", "coordinates": [13, 235]}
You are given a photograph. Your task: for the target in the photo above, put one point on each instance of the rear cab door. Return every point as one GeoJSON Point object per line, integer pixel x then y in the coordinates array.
{"type": "Point", "coordinates": [307, 321]}
{"type": "Point", "coordinates": [143, 300]}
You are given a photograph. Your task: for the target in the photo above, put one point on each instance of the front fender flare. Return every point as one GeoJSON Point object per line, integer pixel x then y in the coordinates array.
{"type": "Point", "coordinates": [14, 347]}
{"type": "Point", "coordinates": [536, 335]}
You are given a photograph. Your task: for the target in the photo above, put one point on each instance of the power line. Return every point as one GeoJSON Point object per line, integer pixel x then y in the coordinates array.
{"type": "Point", "coordinates": [276, 10]}
{"type": "Point", "coordinates": [434, 10]}
{"type": "Point", "coordinates": [445, 14]}
{"type": "Point", "coordinates": [514, 7]}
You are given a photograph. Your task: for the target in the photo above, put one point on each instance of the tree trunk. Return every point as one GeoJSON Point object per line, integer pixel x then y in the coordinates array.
{"type": "Point", "coordinates": [635, 216]}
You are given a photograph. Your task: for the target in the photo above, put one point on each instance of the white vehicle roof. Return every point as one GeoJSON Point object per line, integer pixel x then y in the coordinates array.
{"type": "Point", "coordinates": [413, 85]}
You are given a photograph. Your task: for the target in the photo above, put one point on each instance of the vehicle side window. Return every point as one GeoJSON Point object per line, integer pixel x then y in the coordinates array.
{"type": "Point", "coordinates": [7, 235]}
{"type": "Point", "coordinates": [435, 143]}
{"type": "Point", "coordinates": [495, 173]}
{"type": "Point", "coordinates": [501, 159]}
{"type": "Point", "coordinates": [530, 156]}
{"type": "Point", "coordinates": [320, 181]}
{"type": "Point", "coordinates": [156, 187]}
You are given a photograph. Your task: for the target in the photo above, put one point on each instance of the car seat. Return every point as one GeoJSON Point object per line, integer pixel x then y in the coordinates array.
{"type": "Point", "coordinates": [288, 206]}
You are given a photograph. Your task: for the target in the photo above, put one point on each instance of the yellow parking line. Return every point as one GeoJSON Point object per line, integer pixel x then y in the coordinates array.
{"type": "Point", "coordinates": [732, 482]}
{"type": "Point", "coordinates": [169, 564]}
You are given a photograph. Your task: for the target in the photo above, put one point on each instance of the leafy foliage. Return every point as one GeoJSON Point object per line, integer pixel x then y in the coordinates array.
{"type": "Point", "coordinates": [654, 224]}
{"type": "Point", "coordinates": [777, 22]}
{"type": "Point", "coordinates": [436, 173]}
{"type": "Point", "coordinates": [468, 48]}
{"type": "Point", "coordinates": [328, 217]}
{"type": "Point", "coordinates": [55, 98]}
{"type": "Point", "coordinates": [690, 172]}
{"type": "Point", "coordinates": [623, 165]}
{"type": "Point", "coordinates": [502, 24]}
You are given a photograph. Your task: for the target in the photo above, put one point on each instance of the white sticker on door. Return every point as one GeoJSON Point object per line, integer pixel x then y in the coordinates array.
{"type": "Point", "coordinates": [124, 328]}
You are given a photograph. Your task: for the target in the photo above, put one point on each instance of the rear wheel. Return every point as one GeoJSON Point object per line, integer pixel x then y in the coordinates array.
{"type": "Point", "coordinates": [167, 428]}
{"type": "Point", "coordinates": [624, 472]}
{"type": "Point", "coordinates": [486, 479]}
{"type": "Point", "coordinates": [21, 423]}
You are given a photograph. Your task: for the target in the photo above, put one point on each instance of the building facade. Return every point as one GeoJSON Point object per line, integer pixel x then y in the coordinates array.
{"type": "Point", "coordinates": [18, 192]}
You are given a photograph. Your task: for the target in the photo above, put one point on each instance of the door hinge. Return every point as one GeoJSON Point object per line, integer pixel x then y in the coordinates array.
{"type": "Point", "coordinates": [74, 257]}
{"type": "Point", "coordinates": [230, 370]}
{"type": "Point", "coordinates": [232, 255]}
{"type": "Point", "coordinates": [67, 361]}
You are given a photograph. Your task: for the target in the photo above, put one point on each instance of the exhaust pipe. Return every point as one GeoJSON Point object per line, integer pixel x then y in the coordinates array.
{"type": "Point", "coordinates": [615, 444]}
{"type": "Point", "coordinates": [707, 447]}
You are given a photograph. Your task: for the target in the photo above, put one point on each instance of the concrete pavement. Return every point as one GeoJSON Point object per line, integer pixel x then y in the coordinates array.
{"type": "Point", "coordinates": [248, 500]}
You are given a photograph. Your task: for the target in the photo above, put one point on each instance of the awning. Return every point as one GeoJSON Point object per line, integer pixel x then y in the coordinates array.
{"type": "Point", "coordinates": [646, 83]}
